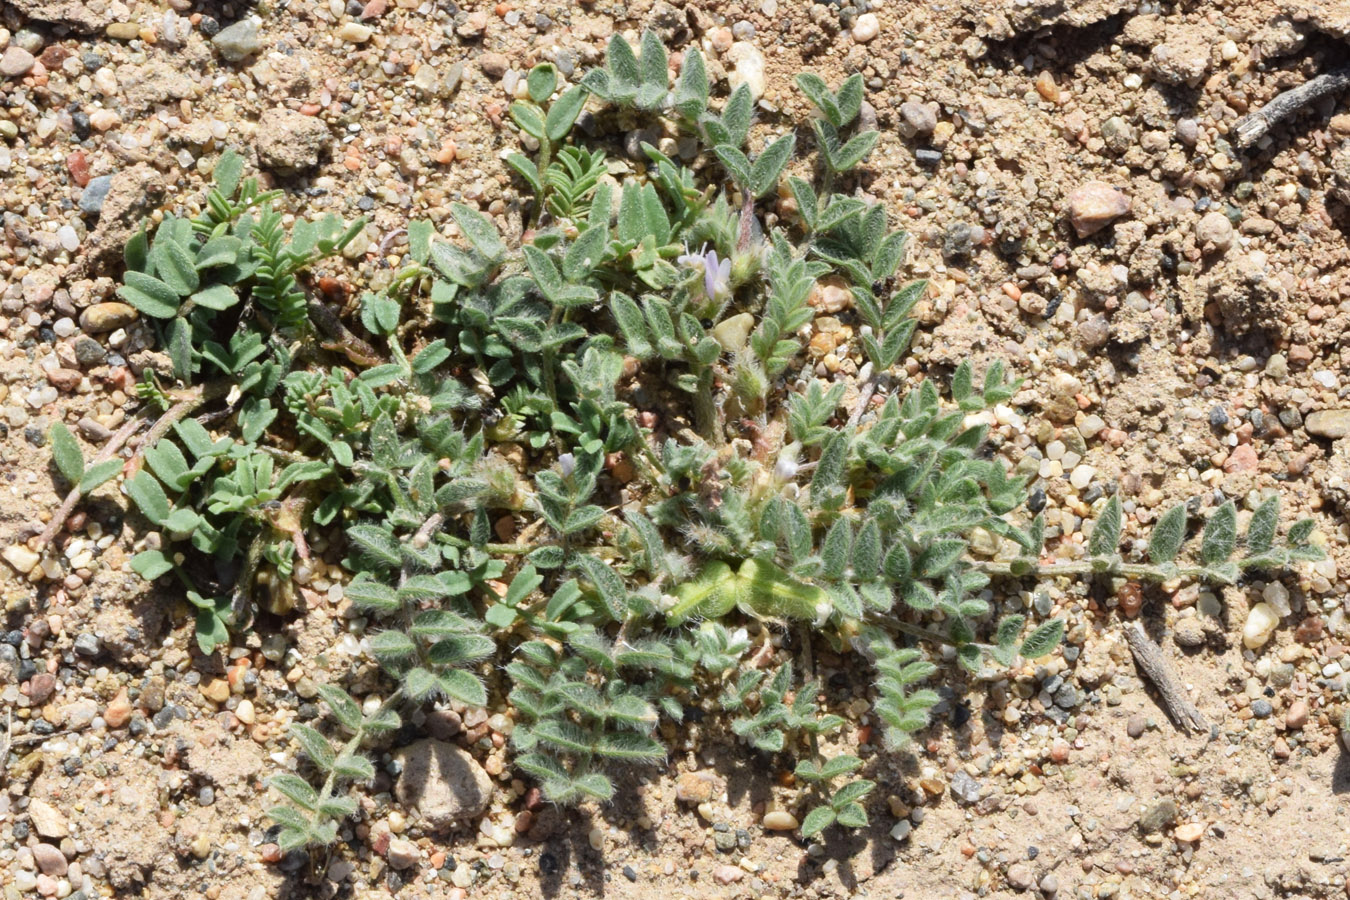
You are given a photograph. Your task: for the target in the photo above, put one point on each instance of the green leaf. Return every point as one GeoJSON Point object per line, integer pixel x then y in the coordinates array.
{"type": "Point", "coordinates": [149, 496]}
{"type": "Point", "coordinates": [149, 295]}
{"type": "Point", "coordinates": [479, 231]}
{"type": "Point", "coordinates": [217, 297]}
{"type": "Point", "coordinates": [420, 232]}
{"type": "Point", "coordinates": [66, 453]}
{"type": "Point", "coordinates": [834, 552]}
{"type": "Point", "coordinates": [1105, 539]}
{"type": "Point", "coordinates": [314, 745]}
{"type": "Point", "coordinates": [174, 265]}
{"type": "Point", "coordinates": [219, 251]}
{"type": "Point", "coordinates": [376, 543]}
{"type": "Point", "coordinates": [530, 119]}
{"type": "Point", "coordinates": [607, 582]}
{"type": "Point", "coordinates": [770, 163]}
{"type": "Point", "coordinates": [737, 166]}
{"type": "Point", "coordinates": [585, 253]}
{"type": "Point", "coordinates": [229, 168]}
{"type": "Point", "coordinates": [852, 815]}
{"type": "Point", "coordinates": [500, 616]}
{"type": "Point", "coordinates": [815, 89]}
{"type": "Point", "coordinates": [1220, 535]}
{"type": "Point", "coordinates": [369, 595]}
{"type": "Point", "coordinates": [151, 564]}
{"type": "Point", "coordinates": [392, 645]}
{"type": "Point", "coordinates": [211, 631]}
{"type": "Point", "coordinates": [461, 649]}
{"type": "Point", "coordinates": [622, 64]}
{"type": "Point", "coordinates": [563, 113]}
{"type": "Point", "coordinates": [136, 254]}
{"type": "Point", "coordinates": [938, 557]}
{"type": "Point", "coordinates": [1168, 535]}
{"type": "Point", "coordinates": [736, 115]}
{"type": "Point", "coordinates": [346, 710]}
{"type": "Point", "coordinates": [867, 552]}
{"type": "Point", "coordinates": [632, 323]}
{"type": "Point", "coordinates": [849, 99]}
{"type": "Point", "coordinates": [1043, 640]}
{"type": "Point", "coordinates": [296, 789]}
{"type": "Point", "coordinates": [1264, 523]}
{"type": "Point", "coordinates": [655, 71]}
{"type": "Point", "coordinates": [817, 820]}
{"type": "Point", "coordinates": [691, 94]}
{"type": "Point", "coordinates": [464, 687]}
{"type": "Point", "coordinates": [830, 468]}
{"type": "Point", "coordinates": [541, 82]}
{"type": "Point", "coordinates": [852, 153]}
{"type": "Point", "coordinates": [354, 768]}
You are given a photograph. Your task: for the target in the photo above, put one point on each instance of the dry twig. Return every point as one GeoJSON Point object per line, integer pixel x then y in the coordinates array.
{"type": "Point", "coordinates": [1149, 657]}
{"type": "Point", "coordinates": [1253, 126]}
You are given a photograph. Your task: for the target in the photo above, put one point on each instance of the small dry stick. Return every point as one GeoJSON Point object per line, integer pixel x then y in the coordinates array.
{"type": "Point", "coordinates": [180, 409]}
{"type": "Point", "coordinates": [1253, 126]}
{"type": "Point", "coordinates": [1149, 657]}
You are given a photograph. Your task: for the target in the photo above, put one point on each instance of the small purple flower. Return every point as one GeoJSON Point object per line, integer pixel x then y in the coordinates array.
{"type": "Point", "coordinates": [568, 464]}
{"type": "Point", "coordinates": [716, 276]}
{"type": "Point", "coordinates": [716, 272]}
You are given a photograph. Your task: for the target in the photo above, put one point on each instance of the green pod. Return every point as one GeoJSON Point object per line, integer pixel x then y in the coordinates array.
{"type": "Point", "coordinates": [712, 594]}
{"type": "Point", "coordinates": [770, 592]}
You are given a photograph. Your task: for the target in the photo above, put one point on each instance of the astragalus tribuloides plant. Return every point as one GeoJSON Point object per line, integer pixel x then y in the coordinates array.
{"type": "Point", "coordinates": [588, 452]}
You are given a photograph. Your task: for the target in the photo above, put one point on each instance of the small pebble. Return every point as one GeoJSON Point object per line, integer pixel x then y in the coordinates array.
{"type": "Point", "coordinates": [866, 27]}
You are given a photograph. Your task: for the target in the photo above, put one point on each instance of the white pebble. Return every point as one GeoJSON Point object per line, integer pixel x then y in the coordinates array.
{"type": "Point", "coordinates": [1081, 476]}
{"type": "Point", "coordinates": [354, 32]}
{"type": "Point", "coordinates": [866, 28]}
{"type": "Point", "coordinates": [1261, 624]}
{"type": "Point", "coordinates": [69, 238]}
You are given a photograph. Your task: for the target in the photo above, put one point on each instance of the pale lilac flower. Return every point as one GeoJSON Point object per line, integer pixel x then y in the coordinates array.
{"type": "Point", "coordinates": [716, 272]}
{"type": "Point", "coordinates": [568, 464]}
{"type": "Point", "coordinates": [716, 276]}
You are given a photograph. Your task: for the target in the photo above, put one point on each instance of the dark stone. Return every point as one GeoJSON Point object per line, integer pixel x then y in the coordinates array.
{"type": "Point", "coordinates": [1262, 709]}
{"type": "Point", "coordinates": [630, 873]}
{"type": "Point", "coordinates": [929, 158]}
{"type": "Point", "coordinates": [1217, 417]}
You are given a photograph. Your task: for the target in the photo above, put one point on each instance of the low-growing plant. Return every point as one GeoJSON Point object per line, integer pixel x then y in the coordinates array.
{"type": "Point", "coordinates": [587, 452]}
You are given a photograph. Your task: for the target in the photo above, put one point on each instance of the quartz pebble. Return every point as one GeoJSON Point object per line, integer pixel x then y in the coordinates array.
{"type": "Point", "coordinates": [1214, 232]}
{"type": "Point", "coordinates": [779, 820]}
{"type": "Point", "coordinates": [1191, 831]}
{"type": "Point", "coordinates": [748, 69]}
{"type": "Point", "coordinates": [1261, 623]}
{"type": "Point", "coordinates": [238, 41]}
{"type": "Point", "coordinates": [16, 61]}
{"type": "Point", "coordinates": [866, 28]}
{"type": "Point", "coordinates": [1095, 205]}
{"type": "Point", "coordinates": [355, 32]}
